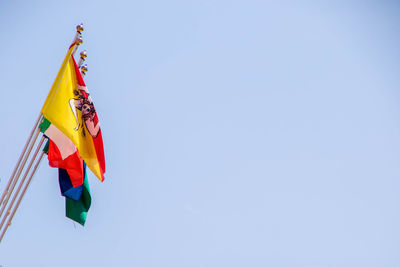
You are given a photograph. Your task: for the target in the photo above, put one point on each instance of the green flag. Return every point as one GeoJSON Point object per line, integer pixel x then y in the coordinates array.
{"type": "Point", "coordinates": [77, 210]}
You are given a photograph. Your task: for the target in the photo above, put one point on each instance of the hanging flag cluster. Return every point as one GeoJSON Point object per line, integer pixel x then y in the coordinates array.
{"type": "Point", "coordinates": [75, 141]}
{"type": "Point", "coordinates": [68, 120]}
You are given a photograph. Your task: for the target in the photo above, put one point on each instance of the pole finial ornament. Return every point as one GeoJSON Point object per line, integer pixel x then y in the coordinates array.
{"type": "Point", "coordinates": [83, 54]}
{"type": "Point", "coordinates": [79, 40]}
{"type": "Point", "coordinates": [84, 69]}
{"type": "Point", "coordinates": [79, 28]}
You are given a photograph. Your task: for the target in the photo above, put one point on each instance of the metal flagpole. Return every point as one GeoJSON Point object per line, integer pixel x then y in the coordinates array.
{"type": "Point", "coordinates": [6, 192]}
{"type": "Point", "coordinates": [78, 37]}
{"type": "Point", "coordinates": [79, 30]}
{"type": "Point", "coordinates": [82, 59]}
{"type": "Point", "coordinates": [20, 166]}
{"type": "Point", "coordinates": [14, 182]}
{"type": "Point", "coordinates": [24, 189]}
{"type": "Point", "coordinates": [22, 182]}
{"type": "Point", "coordinates": [20, 158]}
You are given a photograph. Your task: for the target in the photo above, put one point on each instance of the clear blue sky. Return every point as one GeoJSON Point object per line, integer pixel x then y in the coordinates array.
{"type": "Point", "coordinates": [237, 133]}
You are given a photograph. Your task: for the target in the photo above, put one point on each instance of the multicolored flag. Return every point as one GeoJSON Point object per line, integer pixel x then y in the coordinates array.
{"type": "Point", "coordinates": [70, 122]}
{"type": "Point", "coordinates": [62, 153]}
{"type": "Point", "coordinates": [77, 199]}
{"type": "Point", "coordinates": [66, 187]}
{"type": "Point", "coordinates": [69, 108]}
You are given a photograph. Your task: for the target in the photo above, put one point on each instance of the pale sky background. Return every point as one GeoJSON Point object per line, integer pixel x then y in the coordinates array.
{"type": "Point", "coordinates": [236, 133]}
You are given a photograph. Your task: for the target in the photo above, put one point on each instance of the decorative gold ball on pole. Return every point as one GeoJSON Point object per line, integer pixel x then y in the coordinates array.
{"type": "Point", "coordinates": [83, 54]}
{"type": "Point", "coordinates": [82, 59]}
{"type": "Point", "coordinates": [79, 40]}
{"type": "Point", "coordinates": [78, 36]}
{"type": "Point", "coordinates": [84, 69]}
{"type": "Point", "coordinates": [79, 28]}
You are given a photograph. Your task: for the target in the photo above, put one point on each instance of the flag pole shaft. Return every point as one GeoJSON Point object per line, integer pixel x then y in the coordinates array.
{"type": "Point", "coordinates": [22, 182]}
{"type": "Point", "coordinates": [82, 58]}
{"type": "Point", "coordinates": [14, 182]}
{"type": "Point", "coordinates": [23, 193]}
{"type": "Point", "coordinates": [79, 30]}
{"type": "Point", "coordinates": [20, 158]}
{"type": "Point", "coordinates": [78, 37]}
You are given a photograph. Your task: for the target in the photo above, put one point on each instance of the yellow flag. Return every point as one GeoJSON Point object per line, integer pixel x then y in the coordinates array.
{"type": "Point", "coordinates": [69, 108]}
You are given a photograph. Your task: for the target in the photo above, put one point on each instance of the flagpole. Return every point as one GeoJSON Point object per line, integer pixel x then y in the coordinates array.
{"type": "Point", "coordinates": [84, 69]}
{"type": "Point", "coordinates": [78, 40]}
{"type": "Point", "coordinates": [78, 37]}
{"type": "Point", "coordinates": [20, 158]}
{"type": "Point", "coordinates": [82, 58]}
{"type": "Point", "coordinates": [23, 190]}
{"type": "Point", "coordinates": [22, 182]}
{"type": "Point", "coordinates": [79, 30]}
{"type": "Point", "coordinates": [20, 166]}
{"type": "Point", "coordinates": [19, 172]}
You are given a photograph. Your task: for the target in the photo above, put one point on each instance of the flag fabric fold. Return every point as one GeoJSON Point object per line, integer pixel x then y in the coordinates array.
{"type": "Point", "coordinates": [66, 187]}
{"type": "Point", "coordinates": [62, 153]}
{"type": "Point", "coordinates": [77, 210]}
{"type": "Point", "coordinates": [70, 109]}
{"type": "Point", "coordinates": [75, 141]}
{"type": "Point", "coordinates": [77, 199]}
